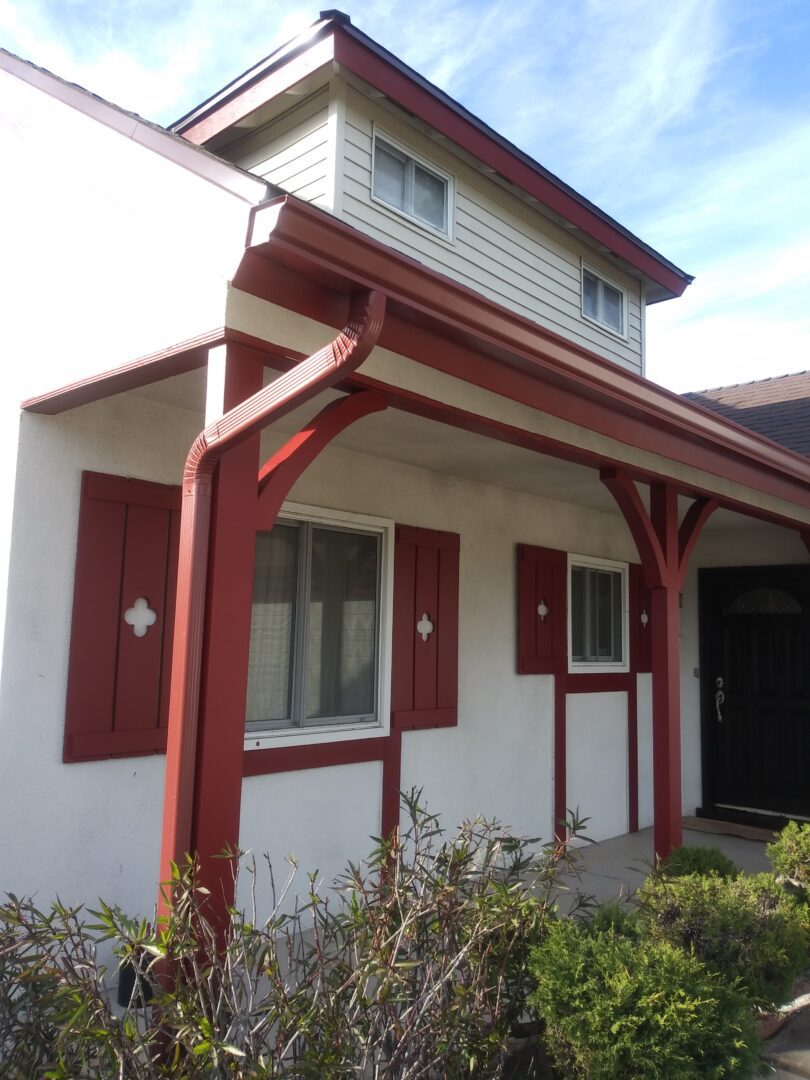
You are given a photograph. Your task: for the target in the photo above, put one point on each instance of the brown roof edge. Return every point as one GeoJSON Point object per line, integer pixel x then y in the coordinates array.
{"type": "Point", "coordinates": [377, 66]}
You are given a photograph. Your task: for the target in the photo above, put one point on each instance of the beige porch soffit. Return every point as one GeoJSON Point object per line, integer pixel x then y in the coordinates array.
{"type": "Point", "coordinates": [262, 319]}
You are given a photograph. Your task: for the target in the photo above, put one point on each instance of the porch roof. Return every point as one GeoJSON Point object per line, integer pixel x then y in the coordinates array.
{"type": "Point", "coordinates": [778, 408]}
{"type": "Point", "coordinates": [303, 260]}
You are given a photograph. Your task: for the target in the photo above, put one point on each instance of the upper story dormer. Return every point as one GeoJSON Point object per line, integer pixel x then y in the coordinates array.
{"type": "Point", "coordinates": [337, 120]}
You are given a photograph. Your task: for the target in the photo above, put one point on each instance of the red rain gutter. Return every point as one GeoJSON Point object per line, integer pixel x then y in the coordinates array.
{"type": "Point", "coordinates": [315, 374]}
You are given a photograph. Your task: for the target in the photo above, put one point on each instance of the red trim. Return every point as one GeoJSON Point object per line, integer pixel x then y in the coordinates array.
{"type": "Point", "coordinates": [321, 371]}
{"type": "Point", "coordinates": [391, 783]}
{"type": "Point", "coordinates": [648, 544]}
{"type": "Point", "coordinates": [277, 759]}
{"type": "Point", "coordinates": [226, 642]}
{"type": "Point", "coordinates": [696, 517]}
{"type": "Point", "coordinates": [176, 360]}
{"type": "Point", "coordinates": [258, 93]}
{"type": "Point", "coordinates": [447, 326]}
{"type": "Point", "coordinates": [472, 338]}
{"type": "Point", "coordinates": [597, 682]}
{"type": "Point", "coordinates": [343, 47]}
{"type": "Point", "coordinates": [560, 756]}
{"type": "Point", "coordinates": [420, 102]}
{"type": "Point", "coordinates": [279, 472]}
{"type": "Point", "coordinates": [632, 753]}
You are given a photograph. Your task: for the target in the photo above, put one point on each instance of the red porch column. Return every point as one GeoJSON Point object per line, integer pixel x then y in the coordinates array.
{"type": "Point", "coordinates": [226, 641]}
{"type": "Point", "coordinates": [664, 548]}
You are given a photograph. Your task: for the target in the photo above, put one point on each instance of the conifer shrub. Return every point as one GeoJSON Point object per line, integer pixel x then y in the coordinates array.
{"type": "Point", "coordinates": [689, 859]}
{"type": "Point", "coordinates": [637, 1009]}
{"type": "Point", "coordinates": [789, 854]}
{"type": "Point", "coordinates": [744, 928]}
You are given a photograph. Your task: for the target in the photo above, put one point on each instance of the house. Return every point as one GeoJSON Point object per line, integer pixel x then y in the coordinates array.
{"type": "Point", "coordinates": [337, 473]}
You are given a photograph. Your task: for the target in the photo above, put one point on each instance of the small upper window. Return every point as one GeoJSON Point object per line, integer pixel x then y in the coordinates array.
{"type": "Point", "coordinates": [602, 302]}
{"type": "Point", "coordinates": [407, 185]}
{"type": "Point", "coordinates": [597, 606]}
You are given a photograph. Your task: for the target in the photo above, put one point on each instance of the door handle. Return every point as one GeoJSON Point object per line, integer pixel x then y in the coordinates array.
{"type": "Point", "coordinates": [719, 698]}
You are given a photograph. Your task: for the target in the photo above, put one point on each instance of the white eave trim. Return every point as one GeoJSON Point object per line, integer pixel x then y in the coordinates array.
{"type": "Point", "coordinates": [174, 148]}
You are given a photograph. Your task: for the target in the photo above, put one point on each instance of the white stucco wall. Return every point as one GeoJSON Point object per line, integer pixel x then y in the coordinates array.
{"type": "Point", "coordinates": [596, 762]}
{"type": "Point", "coordinates": [88, 829]}
{"type": "Point", "coordinates": [93, 829]}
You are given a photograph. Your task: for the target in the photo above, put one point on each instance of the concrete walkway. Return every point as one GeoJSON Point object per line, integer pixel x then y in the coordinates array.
{"type": "Point", "coordinates": [614, 869]}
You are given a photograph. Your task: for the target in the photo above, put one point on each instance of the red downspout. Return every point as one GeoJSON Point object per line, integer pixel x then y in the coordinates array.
{"type": "Point", "coordinates": [315, 374]}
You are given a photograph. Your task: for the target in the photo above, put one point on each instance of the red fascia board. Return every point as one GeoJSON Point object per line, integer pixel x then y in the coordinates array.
{"type": "Point", "coordinates": [176, 360]}
{"type": "Point", "coordinates": [554, 372]}
{"type": "Point", "coordinates": [257, 93]}
{"type": "Point", "coordinates": [343, 44]}
{"type": "Point", "coordinates": [419, 101]}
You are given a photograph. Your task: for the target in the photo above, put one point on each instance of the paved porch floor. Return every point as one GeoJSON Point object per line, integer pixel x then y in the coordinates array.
{"type": "Point", "coordinates": [616, 867]}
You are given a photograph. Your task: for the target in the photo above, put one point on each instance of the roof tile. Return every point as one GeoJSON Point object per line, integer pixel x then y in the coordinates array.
{"type": "Point", "coordinates": [778, 408]}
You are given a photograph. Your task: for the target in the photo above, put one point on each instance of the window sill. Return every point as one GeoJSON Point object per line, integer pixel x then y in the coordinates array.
{"type": "Point", "coordinates": [597, 669]}
{"type": "Point", "coordinates": [313, 736]}
{"type": "Point", "coordinates": [589, 319]}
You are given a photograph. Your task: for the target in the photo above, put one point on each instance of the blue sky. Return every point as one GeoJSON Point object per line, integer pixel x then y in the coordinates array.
{"type": "Point", "coordinates": [688, 121]}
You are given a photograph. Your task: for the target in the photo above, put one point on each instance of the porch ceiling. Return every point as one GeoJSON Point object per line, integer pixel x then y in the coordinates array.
{"type": "Point", "coordinates": [427, 444]}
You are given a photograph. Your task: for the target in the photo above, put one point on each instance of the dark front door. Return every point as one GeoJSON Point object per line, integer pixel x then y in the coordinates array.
{"type": "Point", "coordinates": [755, 690]}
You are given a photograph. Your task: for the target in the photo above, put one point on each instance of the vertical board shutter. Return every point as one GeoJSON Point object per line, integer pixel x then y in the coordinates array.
{"type": "Point", "coordinates": [640, 635]}
{"type": "Point", "coordinates": [424, 675]}
{"type": "Point", "coordinates": [117, 693]}
{"type": "Point", "coordinates": [542, 639]}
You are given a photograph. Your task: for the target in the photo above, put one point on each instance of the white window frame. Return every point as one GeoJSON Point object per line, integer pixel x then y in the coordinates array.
{"type": "Point", "coordinates": [603, 279]}
{"type": "Point", "coordinates": [378, 135]}
{"type": "Point", "coordinates": [336, 731]}
{"type": "Point", "coordinates": [584, 666]}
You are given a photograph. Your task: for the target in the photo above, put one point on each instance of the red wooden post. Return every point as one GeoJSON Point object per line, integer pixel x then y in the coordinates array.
{"type": "Point", "coordinates": [666, 665]}
{"type": "Point", "coordinates": [664, 549]}
{"type": "Point", "coordinates": [226, 643]}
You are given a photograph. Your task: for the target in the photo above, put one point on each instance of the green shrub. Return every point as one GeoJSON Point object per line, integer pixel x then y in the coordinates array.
{"type": "Point", "coordinates": [790, 854]}
{"type": "Point", "coordinates": [698, 860]}
{"type": "Point", "coordinates": [644, 1010]}
{"type": "Point", "coordinates": [416, 966]}
{"type": "Point", "coordinates": [611, 915]}
{"type": "Point", "coordinates": [743, 928]}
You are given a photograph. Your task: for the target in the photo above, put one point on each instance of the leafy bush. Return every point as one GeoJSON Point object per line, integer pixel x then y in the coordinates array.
{"type": "Point", "coordinates": [698, 860]}
{"type": "Point", "coordinates": [417, 967]}
{"type": "Point", "coordinates": [743, 928]}
{"type": "Point", "coordinates": [645, 1010]}
{"type": "Point", "coordinates": [790, 854]}
{"type": "Point", "coordinates": [612, 916]}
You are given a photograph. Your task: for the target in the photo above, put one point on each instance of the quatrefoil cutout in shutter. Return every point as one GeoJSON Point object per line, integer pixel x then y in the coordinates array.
{"type": "Point", "coordinates": [425, 627]}
{"type": "Point", "coordinates": [140, 617]}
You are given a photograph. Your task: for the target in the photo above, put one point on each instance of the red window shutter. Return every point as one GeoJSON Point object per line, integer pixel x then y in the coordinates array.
{"type": "Point", "coordinates": [640, 636]}
{"type": "Point", "coordinates": [117, 693]}
{"type": "Point", "coordinates": [542, 635]}
{"type": "Point", "coordinates": [424, 675]}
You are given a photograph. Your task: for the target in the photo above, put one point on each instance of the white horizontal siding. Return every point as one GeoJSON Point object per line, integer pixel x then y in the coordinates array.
{"type": "Point", "coordinates": [292, 151]}
{"type": "Point", "coordinates": [500, 247]}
